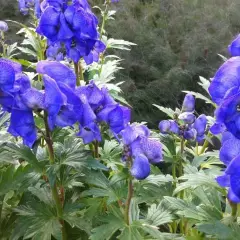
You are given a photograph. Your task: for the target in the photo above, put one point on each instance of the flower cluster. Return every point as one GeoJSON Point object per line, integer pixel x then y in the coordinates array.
{"type": "Point", "coordinates": [225, 92]}
{"type": "Point", "coordinates": [141, 149]}
{"type": "Point", "coordinates": [186, 125]}
{"type": "Point", "coordinates": [64, 103]}
{"type": "Point", "coordinates": [72, 25]}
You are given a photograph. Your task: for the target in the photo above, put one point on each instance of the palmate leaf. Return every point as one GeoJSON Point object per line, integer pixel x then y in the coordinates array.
{"type": "Point", "coordinates": [194, 180]}
{"type": "Point", "coordinates": [153, 188]}
{"type": "Point", "coordinates": [215, 229]}
{"type": "Point", "coordinates": [201, 213]}
{"type": "Point", "coordinates": [168, 111]}
{"type": "Point", "coordinates": [105, 231]}
{"type": "Point", "coordinates": [72, 153]}
{"type": "Point", "coordinates": [37, 221]}
{"type": "Point", "coordinates": [114, 191]}
{"type": "Point", "coordinates": [17, 178]}
{"type": "Point", "coordinates": [108, 72]}
{"type": "Point", "coordinates": [158, 215]}
{"type": "Point", "coordinates": [24, 153]}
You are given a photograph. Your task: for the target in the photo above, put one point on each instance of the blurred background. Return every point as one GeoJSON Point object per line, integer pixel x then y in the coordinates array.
{"type": "Point", "coordinates": [177, 41]}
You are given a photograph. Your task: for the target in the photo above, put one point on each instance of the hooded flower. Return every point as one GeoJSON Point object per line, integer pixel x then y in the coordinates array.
{"type": "Point", "coordinates": [142, 149]}
{"type": "Point", "coordinates": [226, 80]}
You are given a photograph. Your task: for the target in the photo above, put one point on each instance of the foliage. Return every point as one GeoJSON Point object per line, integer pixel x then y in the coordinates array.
{"type": "Point", "coordinates": [87, 179]}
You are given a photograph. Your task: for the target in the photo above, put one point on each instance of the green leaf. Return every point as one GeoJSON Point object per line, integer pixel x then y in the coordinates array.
{"type": "Point", "coordinates": [168, 111]}
{"type": "Point", "coordinates": [158, 215]}
{"type": "Point", "coordinates": [105, 231]}
{"type": "Point", "coordinates": [131, 233]}
{"type": "Point", "coordinates": [195, 180]}
{"type": "Point", "coordinates": [24, 153]}
{"type": "Point", "coordinates": [119, 44]}
{"type": "Point", "coordinates": [104, 188]}
{"type": "Point", "coordinates": [216, 229]}
{"type": "Point", "coordinates": [37, 221]}
{"type": "Point", "coordinates": [17, 178]}
{"type": "Point", "coordinates": [28, 51]}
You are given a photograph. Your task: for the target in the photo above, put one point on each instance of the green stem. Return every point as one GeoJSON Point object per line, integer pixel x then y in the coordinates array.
{"type": "Point", "coordinates": [174, 174]}
{"type": "Point", "coordinates": [77, 74]}
{"type": "Point", "coordinates": [234, 207]}
{"type": "Point", "coordinates": [1, 207]}
{"type": "Point", "coordinates": [96, 154]}
{"type": "Point", "coordinates": [197, 148]}
{"type": "Point", "coordinates": [205, 144]}
{"type": "Point", "coordinates": [129, 197]}
{"type": "Point", "coordinates": [80, 70]}
{"type": "Point", "coordinates": [104, 19]}
{"type": "Point", "coordinates": [181, 194]}
{"type": "Point", "coordinates": [55, 194]}
{"type": "Point", "coordinates": [130, 194]}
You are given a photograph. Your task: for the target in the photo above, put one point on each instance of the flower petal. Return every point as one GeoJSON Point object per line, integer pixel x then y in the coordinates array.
{"type": "Point", "coordinates": [58, 71]}
{"type": "Point", "coordinates": [22, 124]}
{"type": "Point", "coordinates": [140, 168]}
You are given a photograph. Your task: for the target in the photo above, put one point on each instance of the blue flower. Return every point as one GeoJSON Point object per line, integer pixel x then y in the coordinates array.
{"type": "Point", "coordinates": [142, 149]}
{"type": "Point", "coordinates": [90, 133]}
{"type": "Point", "coordinates": [54, 100]}
{"type": "Point", "coordinates": [234, 47]}
{"type": "Point", "coordinates": [140, 168]}
{"type": "Point", "coordinates": [226, 79]}
{"type": "Point", "coordinates": [22, 124]}
{"type": "Point", "coordinates": [200, 126]}
{"type": "Point", "coordinates": [132, 132]}
{"type": "Point", "coordinates": [58, 71]}
{"type": "Point", "coordinates": [188, 103]}
{"type": "Point", "coordinates": [33, 99]}
{"type": "Point", "coordinates": [190, 134]}
{"type": "Point", "coordinates": [116, 116]}
{"type": "Point", "coordinates": [228, 113]}
{"type": "Point", "coordinates": [187, 117]}
{"type": "Point", "coordinates": [164, 126]}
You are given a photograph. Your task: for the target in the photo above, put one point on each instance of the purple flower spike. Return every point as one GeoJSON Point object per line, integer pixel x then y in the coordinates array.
{"type": "Point", "coordinates": [140, 168]}
{"type": "Point", "coordinates": [188, 103]}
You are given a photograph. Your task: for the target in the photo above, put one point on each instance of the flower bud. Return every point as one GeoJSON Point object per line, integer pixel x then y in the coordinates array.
{"type": "Point", "coordinates": [164, 126]}
{"type": "Point", "coordinates": [188, 103]}
{"type": "Point", "coordinates": [200, 124]}
{"type": "Point", "coordinates": [190, 134]}
{"type": "Point", "coordinates": [3, 26]}
{"type": "Point", "coordinates": [187, 117]}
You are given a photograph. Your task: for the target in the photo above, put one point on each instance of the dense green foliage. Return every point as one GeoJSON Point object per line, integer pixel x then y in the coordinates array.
{"type": "Point", "coordinates": [177, 41]}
